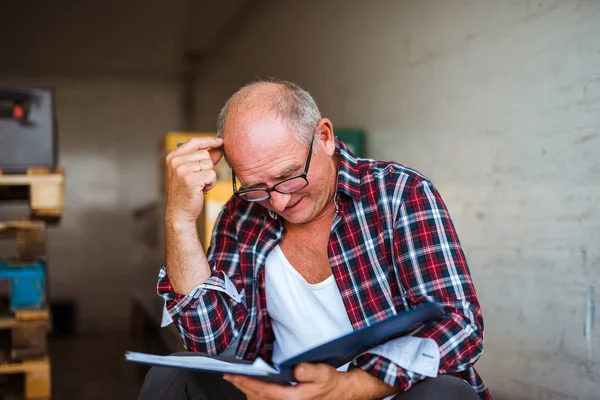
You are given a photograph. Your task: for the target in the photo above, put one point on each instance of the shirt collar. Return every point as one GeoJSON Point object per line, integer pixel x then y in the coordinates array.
{"type": "Point", "coordinates": [348, 179]}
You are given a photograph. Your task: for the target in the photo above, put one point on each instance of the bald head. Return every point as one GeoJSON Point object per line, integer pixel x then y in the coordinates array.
{"type": "Point", "coordinates": [271, 99]}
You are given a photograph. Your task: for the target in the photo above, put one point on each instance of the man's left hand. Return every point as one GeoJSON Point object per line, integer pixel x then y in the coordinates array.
{"type": "Point", "coordinates": [315, 381]}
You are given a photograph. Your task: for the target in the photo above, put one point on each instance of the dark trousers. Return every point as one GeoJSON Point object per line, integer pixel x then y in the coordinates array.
{"type": "Point", "coordinates": [180, 384]}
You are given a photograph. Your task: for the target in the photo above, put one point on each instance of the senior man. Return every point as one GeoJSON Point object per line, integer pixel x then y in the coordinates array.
{"type": "Point", "coordinates": [315, 243]}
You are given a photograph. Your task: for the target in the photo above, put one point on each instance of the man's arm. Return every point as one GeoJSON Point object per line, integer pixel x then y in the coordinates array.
{"type": "Point", "coordinates": [186, 263]}
{"type": "Point", "coordinates": [203, 298]}
{"type": "Point", "coordinates": [432, 268]}
{"type": "Point", "coordinates": [190, 170]}
{"type": "Point", "coordinates": [210, 317]}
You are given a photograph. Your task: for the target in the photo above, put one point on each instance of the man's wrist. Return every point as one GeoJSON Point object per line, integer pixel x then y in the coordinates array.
{"type": "Point", "coordinates": [178, 222]}
{"type": "Point", "coordinates": [360, 385]}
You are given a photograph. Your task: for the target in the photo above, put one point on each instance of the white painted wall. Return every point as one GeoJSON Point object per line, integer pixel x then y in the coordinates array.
{"type": "Point", "coordinates": [109, 132]}
{"type": "Point", "coordinates": [498, 102]}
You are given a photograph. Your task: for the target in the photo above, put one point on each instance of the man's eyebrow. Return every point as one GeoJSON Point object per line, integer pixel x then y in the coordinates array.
{"type": "Point", "coordinates": [250, 186]}
{"type": "Point", "coordinates": [284, 174]}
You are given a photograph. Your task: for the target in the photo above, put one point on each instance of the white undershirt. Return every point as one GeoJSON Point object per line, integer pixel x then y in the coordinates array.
{"type": "Point", "coordinates": [303, 315]}
{"type": "Point", "coordinates": [306, 315]}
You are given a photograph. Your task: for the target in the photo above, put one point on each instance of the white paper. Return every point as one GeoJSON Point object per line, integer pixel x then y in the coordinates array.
{"type": "Point", "coordinates": [258, 368]}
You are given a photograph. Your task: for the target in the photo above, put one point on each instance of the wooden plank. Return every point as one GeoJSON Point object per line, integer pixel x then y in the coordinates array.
{"type": "Point", "coordinates": [46, 189]}
{"type": "Point", "coordinates": [31, 315]}
{"type": "Point", "coordinates": [25, 180]}
{"type": "Point", "coordinates": [25, 366]}
{"type": "Point", "coordinates": [11, 322]}
{"type": "Point", "coordinates": [21, 224]}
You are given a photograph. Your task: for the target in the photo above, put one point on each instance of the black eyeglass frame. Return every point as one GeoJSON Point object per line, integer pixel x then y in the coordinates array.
{"type": "Point", "coordinates": [273, 188]}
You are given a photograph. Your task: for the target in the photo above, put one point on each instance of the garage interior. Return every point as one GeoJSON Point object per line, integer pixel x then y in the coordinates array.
{"type": "Point", "coordinates": [497, 102]}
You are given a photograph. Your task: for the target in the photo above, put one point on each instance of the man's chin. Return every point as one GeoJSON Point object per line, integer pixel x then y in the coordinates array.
{"type": "Point", "coordinates": [299, 216]}
{"type": "Point", "coordinates": [295, 219]}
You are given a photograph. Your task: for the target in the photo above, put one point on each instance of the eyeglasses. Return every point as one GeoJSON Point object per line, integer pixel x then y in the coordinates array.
{"type": "Point", "coordinates": [286, 186]}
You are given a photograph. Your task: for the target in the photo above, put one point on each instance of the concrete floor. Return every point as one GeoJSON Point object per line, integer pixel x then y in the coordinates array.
{"type": "Point", "coordinates": [92, 368]}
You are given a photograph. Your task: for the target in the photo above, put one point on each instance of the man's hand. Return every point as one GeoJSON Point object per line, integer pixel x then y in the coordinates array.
{"type": "Point", "coordinates": [315, 381]}
{"type": "Point", "coordinates": [191, 173]}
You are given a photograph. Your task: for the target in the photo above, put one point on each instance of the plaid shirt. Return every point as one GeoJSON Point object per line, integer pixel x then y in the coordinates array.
{"type": "Point", "coordinates": [392, 247]}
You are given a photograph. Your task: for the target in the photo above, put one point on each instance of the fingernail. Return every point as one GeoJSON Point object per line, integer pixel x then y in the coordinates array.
{"type": "Point", "coordinates": [178, 144]}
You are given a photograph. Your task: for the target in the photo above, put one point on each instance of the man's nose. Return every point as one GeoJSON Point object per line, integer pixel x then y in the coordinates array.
{"type": "Point", "coordinates": [279, 200]}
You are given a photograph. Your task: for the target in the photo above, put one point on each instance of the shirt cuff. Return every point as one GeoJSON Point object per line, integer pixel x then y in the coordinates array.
{"type": "Point", "coordinates": [419, 355]}
{"type": "Point", "coordinates": [222, 284]}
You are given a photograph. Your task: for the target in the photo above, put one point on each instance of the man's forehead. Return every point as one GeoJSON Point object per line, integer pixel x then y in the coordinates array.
{"type": "Point", "coordinates": [256, 135]}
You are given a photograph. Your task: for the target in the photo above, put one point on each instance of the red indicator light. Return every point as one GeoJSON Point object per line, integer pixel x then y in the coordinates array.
{"type": "Point", "coordinates": [18, 112]}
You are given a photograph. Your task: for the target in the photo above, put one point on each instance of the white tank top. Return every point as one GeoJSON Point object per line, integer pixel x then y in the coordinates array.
{"type": "Point", "coordinates": [303, 315]}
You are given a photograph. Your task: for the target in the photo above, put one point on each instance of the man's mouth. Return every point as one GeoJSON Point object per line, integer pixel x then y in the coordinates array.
{"type": "Point", "coordinates": [291, 208]}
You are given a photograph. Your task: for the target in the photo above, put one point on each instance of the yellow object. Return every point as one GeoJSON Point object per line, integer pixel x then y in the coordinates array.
{"type": "Point", "coordinates": [214, 201]}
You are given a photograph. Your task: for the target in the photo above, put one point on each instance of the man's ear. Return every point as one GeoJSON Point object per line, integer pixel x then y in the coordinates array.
{"type": "Point", "coordinates": [325, 128]}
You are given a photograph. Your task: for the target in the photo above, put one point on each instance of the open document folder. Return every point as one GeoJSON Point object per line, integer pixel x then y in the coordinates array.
{"type": "Point", "coordinates": [336, 353]}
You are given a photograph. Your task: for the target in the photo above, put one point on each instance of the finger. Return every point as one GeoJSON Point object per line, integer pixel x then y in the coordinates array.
{"type": "Point", "coordinates": [203, 180]}
{"type": "Point", "coordinates": [209, 186]}
{"type": "Point", "coordinates": [191, 167]}
{"type": "Point", "coordinates": [196, 143]}
{"type": "Point", "coordinates": [306, 372]}
{"type": "Point", "coordinates": [215, 154]}
{"type": "Point", "coordinates": [201, 143]}
{"type": "Point", "coordinates": [262, 389]}
{"type": "Point", "coordinates": [201, 155]}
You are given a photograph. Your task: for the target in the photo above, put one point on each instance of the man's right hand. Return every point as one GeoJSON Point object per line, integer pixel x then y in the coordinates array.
{"type": "Point", "coordinates": [191, 173]}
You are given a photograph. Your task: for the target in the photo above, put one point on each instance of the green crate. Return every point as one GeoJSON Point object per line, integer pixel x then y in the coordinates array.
{"type": "Point", "coordinates": [354, 139]}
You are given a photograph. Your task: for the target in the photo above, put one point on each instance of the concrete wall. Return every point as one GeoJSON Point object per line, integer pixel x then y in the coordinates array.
{"type": "Point", "coordinates": [498, 102]}
{"type": "Point", "coordinates": [109, 131]}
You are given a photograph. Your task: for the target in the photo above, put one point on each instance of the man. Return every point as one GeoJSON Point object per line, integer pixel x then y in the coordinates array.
{"type": "Point", "coordinates": [314, 244]}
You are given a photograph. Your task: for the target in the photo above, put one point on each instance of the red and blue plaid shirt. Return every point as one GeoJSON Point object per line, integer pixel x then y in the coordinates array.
{"type": "Point", "coordinates": [392, 247]}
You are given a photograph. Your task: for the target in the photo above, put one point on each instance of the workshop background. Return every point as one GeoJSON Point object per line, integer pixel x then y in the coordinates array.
{"type": "Point", "coordinates": [498, 102]}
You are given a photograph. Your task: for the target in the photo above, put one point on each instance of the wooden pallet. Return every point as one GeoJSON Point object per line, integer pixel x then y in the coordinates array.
{"type": "Point", "coordinates": [30, 237]}
{"type": "Point", "coordinates": [24, 335]}
{"type": "Point", "coordinates": [37, 377]}
{"type": "Point", "coordinates": [23, 350]}
{"type": "Point", "coordinates": [46, 190]}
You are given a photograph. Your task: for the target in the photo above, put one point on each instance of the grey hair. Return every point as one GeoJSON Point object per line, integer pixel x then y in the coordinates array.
{"type": "Point", "coordinates": [294, 105]}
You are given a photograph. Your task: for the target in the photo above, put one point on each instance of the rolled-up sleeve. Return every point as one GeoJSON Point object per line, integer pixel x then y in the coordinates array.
{"type": "Point", "coordinates": [211, 316]}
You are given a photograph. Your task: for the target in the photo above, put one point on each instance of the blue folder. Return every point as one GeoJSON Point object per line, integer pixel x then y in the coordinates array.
{"type": "Point", "coordinates": [336, 353]}
{"type": "Point", "coordinates": [344, 349]}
